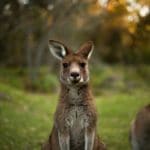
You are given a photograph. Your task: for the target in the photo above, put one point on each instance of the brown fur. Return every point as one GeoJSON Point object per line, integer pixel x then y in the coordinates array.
{"type": "Point", "coordinates": [76, 111]}
{"type": "Point", "coordinates": [140, 130]}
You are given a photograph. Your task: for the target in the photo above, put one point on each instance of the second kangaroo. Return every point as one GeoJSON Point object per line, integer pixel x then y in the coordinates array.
{"type": "Point", "coordinates": [75, 117]}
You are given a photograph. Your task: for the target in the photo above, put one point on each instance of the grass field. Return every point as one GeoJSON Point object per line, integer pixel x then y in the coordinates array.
{"type": "Point", "coordinates": [26, 118]}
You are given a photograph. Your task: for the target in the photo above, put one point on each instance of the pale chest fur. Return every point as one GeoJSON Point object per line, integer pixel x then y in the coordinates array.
{"type": "Point", "coordinates": [74, 114]}
{"type": "Point", "coordinates": [77, 117]}
{"type": "Point", "coordinates": [77, 111]}
{"type": "Point", "coordinates": [74, 96]}
{"type": "Point", "coordinates": [76, 120]}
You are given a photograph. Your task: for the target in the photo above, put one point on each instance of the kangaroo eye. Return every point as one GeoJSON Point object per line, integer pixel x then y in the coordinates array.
{"type": "Point", "coordinates": [82, 65]}
{"type": "Point", "coordinates": [65, 65]}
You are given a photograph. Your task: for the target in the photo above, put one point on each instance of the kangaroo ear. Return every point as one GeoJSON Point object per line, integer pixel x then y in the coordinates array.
{"type": "Point", "coordinates": [86, 49]}
{"type": "Point", "coordinates": [58, 49]}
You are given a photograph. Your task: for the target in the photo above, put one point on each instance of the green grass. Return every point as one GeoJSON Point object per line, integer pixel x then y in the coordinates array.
{"type": "Point", "coordinates": [26, 118]}
{"type": "Point", "coordinates": [115, 115]}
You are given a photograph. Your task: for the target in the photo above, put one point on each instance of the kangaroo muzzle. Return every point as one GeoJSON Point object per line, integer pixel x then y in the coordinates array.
{"type": "Point", "coordinates": [75, 77]}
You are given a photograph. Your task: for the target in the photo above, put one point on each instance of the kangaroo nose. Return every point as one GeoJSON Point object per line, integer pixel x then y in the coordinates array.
{"type": "Point", "coordinates": [74, 75]}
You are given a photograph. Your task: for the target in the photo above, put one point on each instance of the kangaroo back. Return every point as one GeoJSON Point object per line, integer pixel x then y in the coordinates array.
{"type": "Point", "coordinates": [140, 130]}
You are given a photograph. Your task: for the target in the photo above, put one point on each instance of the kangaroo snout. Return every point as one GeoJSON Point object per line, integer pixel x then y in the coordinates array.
{"type": "Point", "coordinates": [75, 76]}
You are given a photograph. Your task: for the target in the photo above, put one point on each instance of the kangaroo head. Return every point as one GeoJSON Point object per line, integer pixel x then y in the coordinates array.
{"type": "Point", "coordinates": [74, 66]}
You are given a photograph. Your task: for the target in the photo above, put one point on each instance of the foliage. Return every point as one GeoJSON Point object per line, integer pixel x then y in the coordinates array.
{"type": "Point", "coordinates": [120, 30]}
{"type": "Point", "coordinates": [103, 77]}
{"type": "Point", "coordinates": [18, 78]}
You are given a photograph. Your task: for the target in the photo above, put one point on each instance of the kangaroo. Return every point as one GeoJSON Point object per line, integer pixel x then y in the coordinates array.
{"type": "Point", "coordinates": [140, 130]}
{"type": "Point", "coordinates": [75, 117]}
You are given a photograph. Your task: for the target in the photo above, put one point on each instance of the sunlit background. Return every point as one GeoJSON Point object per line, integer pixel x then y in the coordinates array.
{"type": "Point", "coordinates": [29, 82]}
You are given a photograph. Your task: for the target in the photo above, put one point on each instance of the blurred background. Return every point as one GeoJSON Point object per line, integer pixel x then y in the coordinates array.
{"type": "Point", "coordinates": [29, 86]}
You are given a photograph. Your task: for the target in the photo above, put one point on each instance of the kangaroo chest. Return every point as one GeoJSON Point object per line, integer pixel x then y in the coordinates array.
{"type": "Point", "coordinates": [77, 111]}
{"type": "Point", "coordinates": [77, 119]}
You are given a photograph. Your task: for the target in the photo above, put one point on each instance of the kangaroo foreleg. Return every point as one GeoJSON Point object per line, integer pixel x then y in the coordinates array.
{"type": "Point", "coordinates": [89, 139]}
{"type": "Point", "coordinates": [64, 141]}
